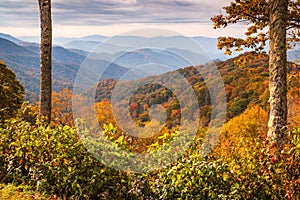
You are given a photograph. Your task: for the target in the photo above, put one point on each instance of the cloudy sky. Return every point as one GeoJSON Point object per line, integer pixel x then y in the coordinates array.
{"type": "Point", "coordinates": [75, 18]}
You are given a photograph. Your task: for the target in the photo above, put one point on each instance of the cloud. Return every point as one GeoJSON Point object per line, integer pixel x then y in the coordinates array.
{"type": "Point", "coordinates": [19, 13]}
{"type": "Point", "coordinates": [129, 11]}
{"type": "Point", "coordinates": [103, 12]}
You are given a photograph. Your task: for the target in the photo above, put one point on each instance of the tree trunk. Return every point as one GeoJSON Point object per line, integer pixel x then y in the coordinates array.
{"type": "Point", "coordinates": [45, 58]}
{"type": "Point", "coordinates": [278, 71]}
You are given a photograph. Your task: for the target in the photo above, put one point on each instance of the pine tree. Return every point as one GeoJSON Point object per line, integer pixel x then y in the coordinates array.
{"type": "Point", "coordinates": [256, 14]}
{"type": "Point", "coordinates": [282, 20]}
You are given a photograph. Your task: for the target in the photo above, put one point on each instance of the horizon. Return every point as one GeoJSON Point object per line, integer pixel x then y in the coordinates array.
{"type": "Point", "coordinates": [93, 37]}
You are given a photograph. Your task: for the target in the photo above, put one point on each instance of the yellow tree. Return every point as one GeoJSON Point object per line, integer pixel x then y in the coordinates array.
{"type": "Point", "coordinates": [104, 113]}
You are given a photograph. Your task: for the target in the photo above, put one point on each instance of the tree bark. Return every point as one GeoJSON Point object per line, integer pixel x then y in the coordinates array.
{"type": "Point", "coordinates": [278, 71]}
{"type": "Point", "coordinates": [45, 59]}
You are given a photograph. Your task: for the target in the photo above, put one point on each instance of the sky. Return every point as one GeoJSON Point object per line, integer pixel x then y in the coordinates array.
{"type": "Point", "coordinates": [77, 18]}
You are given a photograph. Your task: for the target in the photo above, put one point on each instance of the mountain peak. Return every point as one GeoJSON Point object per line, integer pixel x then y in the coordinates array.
{"type": "Point", "coordinates": [10, 38]}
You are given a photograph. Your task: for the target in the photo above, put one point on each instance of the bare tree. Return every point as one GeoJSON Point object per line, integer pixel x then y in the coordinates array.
{"type": "Point", "coordinates": [278, 70]}
{"type": "Point", "coordinates": [45, 58]}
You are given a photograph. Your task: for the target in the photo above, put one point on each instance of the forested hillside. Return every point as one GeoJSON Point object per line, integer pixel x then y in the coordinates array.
{"type": "Point", "coordinates": [245, 78]}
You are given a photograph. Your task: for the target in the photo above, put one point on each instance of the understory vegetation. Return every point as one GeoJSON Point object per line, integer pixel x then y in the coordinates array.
{"type": "Point", "coordinates": [52, 162]}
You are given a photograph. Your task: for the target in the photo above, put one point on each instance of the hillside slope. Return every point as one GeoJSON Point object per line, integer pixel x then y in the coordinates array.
{"type": "Point", "coordinates": [245, 79]}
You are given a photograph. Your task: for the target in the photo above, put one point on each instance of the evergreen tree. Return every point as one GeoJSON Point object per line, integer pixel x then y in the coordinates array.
{"type": "Point", "coordinates": [256, 14]}
{"type": "Point", "coordinates": [277, 21]}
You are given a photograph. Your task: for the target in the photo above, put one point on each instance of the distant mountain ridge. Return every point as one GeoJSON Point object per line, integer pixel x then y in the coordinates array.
{"type": "Point", "coordinates": [116, 44]}
{"type": "Point", "coordinates": [24, 61]}
{"type": "Point", "coordinates": [23, 57]}
{"type": "Point", "coordinates": [10, 38]}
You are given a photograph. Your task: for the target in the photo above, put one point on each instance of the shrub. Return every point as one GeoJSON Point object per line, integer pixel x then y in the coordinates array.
{"type": "Point", "coordinates": [194, 178]}
{"type": "Point", "coordinates": [257, 176]}
{"type": "Point", "coordinates": [52, 159]}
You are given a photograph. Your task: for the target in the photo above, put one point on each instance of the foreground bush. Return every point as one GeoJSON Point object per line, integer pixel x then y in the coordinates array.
{"type": "Point", "coordinates": [261, 177]}
{"type": "Point", "coordinates": [52, 160]}
{"type": "Point", "coordinates": [241, 166]}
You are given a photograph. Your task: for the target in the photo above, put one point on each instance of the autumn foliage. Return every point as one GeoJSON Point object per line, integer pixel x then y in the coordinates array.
{"type": "Point", "coordinates": [256, 14]}
{"type": "Point", "coordinates": [62, 107]}
{"type": "Point", "coordinates": [11, 93]}
{"type": "Point", "coordinates": [240, 134]}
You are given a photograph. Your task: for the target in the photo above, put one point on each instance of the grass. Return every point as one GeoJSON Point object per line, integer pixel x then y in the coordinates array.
{"type": "Point", "coordinates": [12, 192]}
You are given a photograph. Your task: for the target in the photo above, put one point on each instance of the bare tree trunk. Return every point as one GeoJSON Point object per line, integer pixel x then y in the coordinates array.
{"type": "Point", "coordinates": [45, 58]}
{"type": "Point", "coordinates": [278, 71]}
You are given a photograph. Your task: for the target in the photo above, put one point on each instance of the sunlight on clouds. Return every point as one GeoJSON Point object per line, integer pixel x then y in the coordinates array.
{"type": "Point", "coordinates": [129, 2]}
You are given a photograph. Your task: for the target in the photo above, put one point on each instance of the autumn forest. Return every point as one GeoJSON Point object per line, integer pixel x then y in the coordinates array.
{"type": "Point", "coordinates": [227, 127]}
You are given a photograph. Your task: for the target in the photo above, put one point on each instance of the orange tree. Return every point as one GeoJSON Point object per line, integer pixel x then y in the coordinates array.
{"type": "Point", "coordinates": [61, 112]}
